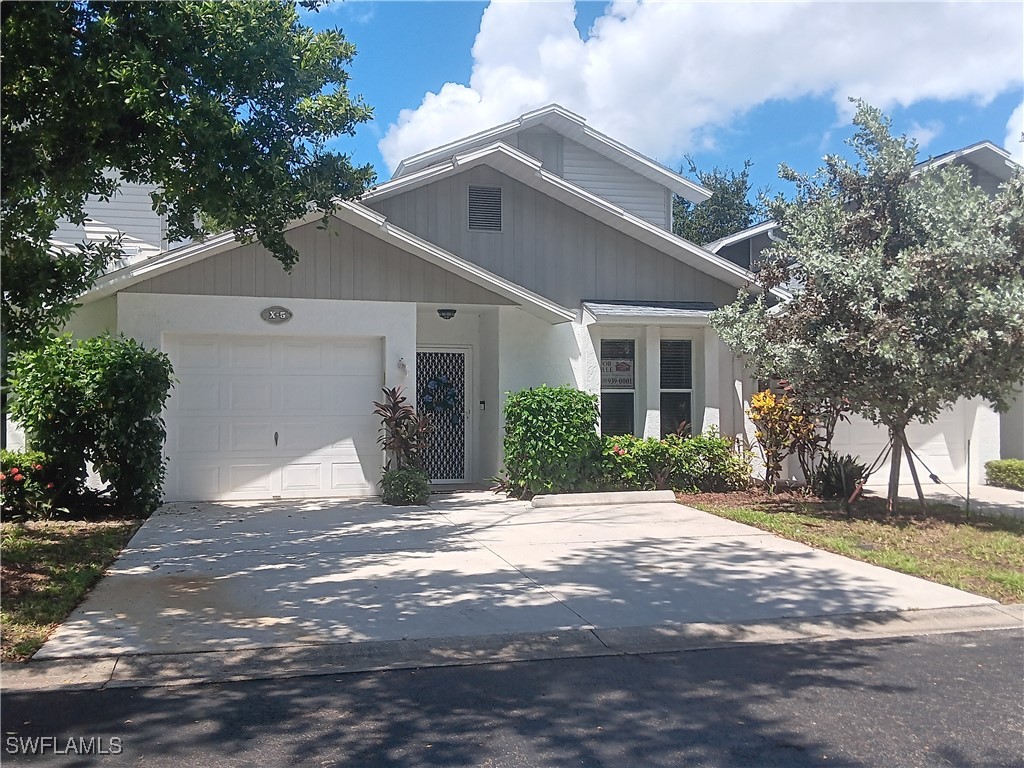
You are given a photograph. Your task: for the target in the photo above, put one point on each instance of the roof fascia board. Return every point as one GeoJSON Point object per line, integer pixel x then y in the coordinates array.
{"type": "Point", "coordinates": [691, 320]}
{"type": "Point", "coordinates": [739, 237]}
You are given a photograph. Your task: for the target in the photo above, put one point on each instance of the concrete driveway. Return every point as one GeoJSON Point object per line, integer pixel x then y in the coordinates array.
{"type": "Point", "coordinates": [217, 577]}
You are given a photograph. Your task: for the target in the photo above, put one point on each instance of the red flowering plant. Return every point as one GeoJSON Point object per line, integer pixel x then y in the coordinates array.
{"type": "Point", "coordinates": [26, 485]}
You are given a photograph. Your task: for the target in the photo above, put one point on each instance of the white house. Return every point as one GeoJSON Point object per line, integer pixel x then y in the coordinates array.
{"type": "Point", "coordinates": [539, 251]}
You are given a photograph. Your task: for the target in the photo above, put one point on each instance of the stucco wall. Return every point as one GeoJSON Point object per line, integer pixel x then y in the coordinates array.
{"type": "Point", "coordinates": [149, 317]}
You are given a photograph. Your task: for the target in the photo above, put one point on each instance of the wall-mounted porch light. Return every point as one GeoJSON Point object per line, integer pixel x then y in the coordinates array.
{"type": "Point", "coordinates": [446, 313]}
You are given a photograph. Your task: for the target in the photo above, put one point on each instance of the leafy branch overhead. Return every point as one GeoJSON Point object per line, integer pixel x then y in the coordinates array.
{"type": "Point", "coordinates": [227, 107]}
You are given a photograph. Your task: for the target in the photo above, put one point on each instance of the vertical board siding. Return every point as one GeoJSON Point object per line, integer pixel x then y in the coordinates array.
{"type": "Point", "coordinates": [614, 183]}
{"type": "Point", "coordinates": [338, 263]}
{"type": "Point", "coordinates": [549, 247]}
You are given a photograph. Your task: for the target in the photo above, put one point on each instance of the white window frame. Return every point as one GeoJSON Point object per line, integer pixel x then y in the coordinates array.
{"type": "Point", "coordinates": [632, 336]}
{"type": "Point", "coordinates": [670, 337]}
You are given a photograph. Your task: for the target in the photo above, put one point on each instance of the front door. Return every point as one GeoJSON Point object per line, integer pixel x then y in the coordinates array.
{"type": "Point", "coordinates": [441, 377]}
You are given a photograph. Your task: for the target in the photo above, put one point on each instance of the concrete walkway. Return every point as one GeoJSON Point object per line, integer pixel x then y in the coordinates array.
{"type": "Point", "coordinates": [985, 499]}
{"type": "Point", "coordinates": [221, 577]}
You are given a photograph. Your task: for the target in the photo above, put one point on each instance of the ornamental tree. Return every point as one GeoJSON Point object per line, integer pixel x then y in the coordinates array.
{"type": "Point", "coordinates": [907, 288]}
{"type": "Point", "coordinates": [728, 210]}
{"type": "Point", "coordinates": [227, 107]}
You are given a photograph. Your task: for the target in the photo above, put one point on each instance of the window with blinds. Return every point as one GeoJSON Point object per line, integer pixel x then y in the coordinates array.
{"type": "Point", "coordinates": [676, 386]}
{"type": "Point", "coordinates": [485, 209]}
{"type": "Point", "coordinates": [618, 386]}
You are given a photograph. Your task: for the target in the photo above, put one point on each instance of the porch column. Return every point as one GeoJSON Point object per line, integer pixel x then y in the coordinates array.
{"type": "Point", "coordinates": [652, 381]}
{"type": "Point", "coordinates": [712, 381]}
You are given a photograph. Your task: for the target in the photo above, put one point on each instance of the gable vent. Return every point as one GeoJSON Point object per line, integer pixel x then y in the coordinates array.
{"type": "Point", "coordinates": [485, 208]}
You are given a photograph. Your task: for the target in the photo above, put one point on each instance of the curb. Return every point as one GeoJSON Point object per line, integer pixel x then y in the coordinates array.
{"type": "Point", "coordinates": [612, 497]}
{"type": "Point", "coordinates": [346, 658]}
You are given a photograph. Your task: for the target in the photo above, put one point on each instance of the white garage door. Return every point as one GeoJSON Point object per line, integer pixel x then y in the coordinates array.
{"type": "Point", "coordinates": [258, 418]}
{"type": "Point", "coordinates": [942, 445]}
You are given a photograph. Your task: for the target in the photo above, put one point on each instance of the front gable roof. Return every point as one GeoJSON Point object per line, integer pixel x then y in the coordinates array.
{"type": "Point", "coordinates": [362, 218]}
{"type": "Point", "coordinates": [529, 171]}
{"type": "Point", "coordinates": [571, 126]}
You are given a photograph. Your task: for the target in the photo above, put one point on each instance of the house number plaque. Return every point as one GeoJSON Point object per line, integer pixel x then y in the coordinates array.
{"type": "Point", "coordinates": [276, 314]}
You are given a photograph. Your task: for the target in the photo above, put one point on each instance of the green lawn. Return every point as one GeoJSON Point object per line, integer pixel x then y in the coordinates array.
{"type": "Point", "coordinates": [981, 555]}
{"type": "Point", "coordinates": [47, 568]}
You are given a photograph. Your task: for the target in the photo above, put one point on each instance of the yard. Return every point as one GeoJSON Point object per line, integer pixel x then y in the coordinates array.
{"type": "Point", "coordinates": [980, 555]}
{"type": "Point", "coordinates": [47, 568]}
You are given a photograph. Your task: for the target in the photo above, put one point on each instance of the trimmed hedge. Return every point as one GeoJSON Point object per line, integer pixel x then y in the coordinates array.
{"type": "Point", "coordinates": [1005, 473]}
{"type": "Point", "coordinates": [552, 446]}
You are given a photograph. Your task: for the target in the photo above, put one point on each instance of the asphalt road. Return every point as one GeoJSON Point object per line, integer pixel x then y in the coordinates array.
{"type": "Point", "coordinates": [945, 700]}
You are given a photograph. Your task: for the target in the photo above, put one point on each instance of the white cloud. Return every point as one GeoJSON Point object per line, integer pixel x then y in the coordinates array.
{"type": "Point", "coordinates": [1015, 134]}
{"type": "Point", "coordinates": [662, 76]}
{"type": "Point", "coordinates": [925, 134]}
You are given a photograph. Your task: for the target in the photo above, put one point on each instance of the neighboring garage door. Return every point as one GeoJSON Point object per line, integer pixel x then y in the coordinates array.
{"type": "Point", "coordinates": [258, 418]}
{"type": "Point", "coordinates": [941, 445]}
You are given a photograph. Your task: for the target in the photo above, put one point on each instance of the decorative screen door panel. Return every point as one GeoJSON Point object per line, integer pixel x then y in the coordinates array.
{"type": "Point", "coordinates": [441, 395]}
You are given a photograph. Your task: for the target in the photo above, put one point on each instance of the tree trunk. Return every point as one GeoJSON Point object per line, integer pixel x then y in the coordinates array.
{"type": "Point", "coordinates": [913, 471]}
{"type": "Point", "coordinates": [894, 471]}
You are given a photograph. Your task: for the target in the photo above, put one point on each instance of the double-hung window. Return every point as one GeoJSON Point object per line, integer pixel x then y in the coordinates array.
{"type": "Point", "coordinates": [618, 386]}
{"type": "Point", "coordinates": [676, 386]}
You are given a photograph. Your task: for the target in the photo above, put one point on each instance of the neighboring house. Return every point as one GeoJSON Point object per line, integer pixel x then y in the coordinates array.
{"type": "Point", "coordinates": [942, 444]}
{"type": "Point", "coordinates": [129, 213]}
{"type": "Point", "coordinates": [537, 252]}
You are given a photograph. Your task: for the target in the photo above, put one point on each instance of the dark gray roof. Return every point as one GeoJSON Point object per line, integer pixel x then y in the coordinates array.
{"type": "Point", "coordinates": [607, 308]}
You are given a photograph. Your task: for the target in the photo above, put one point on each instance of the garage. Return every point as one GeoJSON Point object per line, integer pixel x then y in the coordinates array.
{"type": "Point", "coordinates": [272, 417]}
{"type": "Point", "coordinates": [941, 445]}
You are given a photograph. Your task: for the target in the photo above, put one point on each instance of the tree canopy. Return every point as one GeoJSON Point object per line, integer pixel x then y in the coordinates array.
{"type": "Point", "coordinates": [907, 282]}
{"type": "Point", "coordinates": [728, 210]}
{"type": "Point", "coordinates": [227, 107]}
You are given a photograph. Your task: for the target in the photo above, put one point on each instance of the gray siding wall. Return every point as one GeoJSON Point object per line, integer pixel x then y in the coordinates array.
{"type": "Point", "coordinates": [130, 212]}
{"type": "Point", "coordinates": [543, 144]}
{"type": "Point", "coordinates": [548, 247]}
{"type": "Point", "coordinates": [342, 263]}
{"type": "Point", "coordinates": [616, 184]}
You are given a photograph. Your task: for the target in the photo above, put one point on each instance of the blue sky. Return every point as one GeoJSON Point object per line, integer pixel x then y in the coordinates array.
{"type": "Point", "coordinates": [720, 82]}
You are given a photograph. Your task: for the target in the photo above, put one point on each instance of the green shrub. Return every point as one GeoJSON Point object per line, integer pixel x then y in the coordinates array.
{"type": "Point", "coordinates": [96, 401]}
{"type": "Point", "coordinates": [838, 476]}
{"type": "Point", "coordinates": [1005, 473]}
{"type": "Point", "coordinates": [402, 487]}
{"type": "Point", "coordinates": [551, 441]}
{"type": "Point", "coordinates": [27, 488]}
{"type": "Point", "coordinates": [707, 462]}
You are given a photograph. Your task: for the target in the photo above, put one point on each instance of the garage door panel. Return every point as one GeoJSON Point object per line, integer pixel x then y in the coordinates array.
{"type": "Point", "coordinates": [250, 356]}
{"type": "Point", "coordinates": [358, 355]}
{"type": "Point", "coordinates": [348, 477]}
{"type": "Point", "coordinates": [194, 355]}
{"type": "Point", "coordinates": [302, 477]}
{"type": "Point", "coordinates": [257, 436]}
{"type": "Point", "coordinates": [250, 477]}
{"type": "Point", "coordinates": [197, 436]}
{"type": "Point", "coordinates": [234, 393]}
{"type": "Point", "coordinates": [248, 394]}
{"type": "Point", "coordinates": [203, 394]}
{"type": "Point", "coordinates": [201, 477]}
{"type": "Point", "coordinates": [296, 355]}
